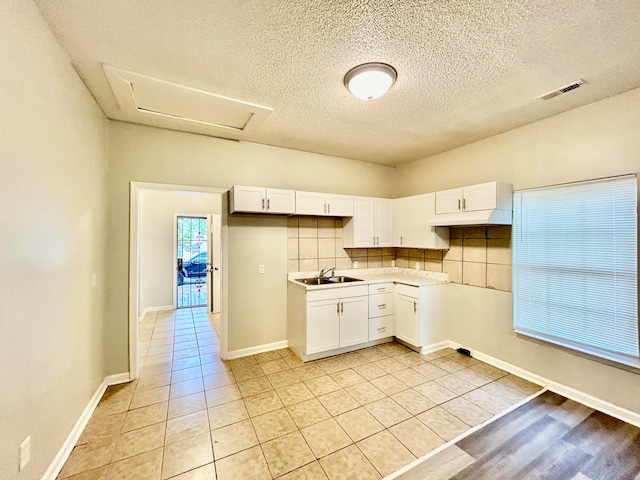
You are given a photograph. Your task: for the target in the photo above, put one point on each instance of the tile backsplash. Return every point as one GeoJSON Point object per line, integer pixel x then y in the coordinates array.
{"type": "Point", "coordinates": [478, 256]}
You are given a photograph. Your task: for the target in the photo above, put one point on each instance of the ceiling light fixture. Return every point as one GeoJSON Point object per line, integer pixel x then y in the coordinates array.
{"type": "Point", "coordinates": [370, 80]}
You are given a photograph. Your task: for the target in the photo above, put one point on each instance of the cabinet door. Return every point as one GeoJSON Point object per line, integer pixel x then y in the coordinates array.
{"type": "Point", "coordinates": [248, 199]}
{"type": "Point", "coordinates": [479, 197]}
{"type": "Point", "coordinates": [323, 326]}
{"type": "Point", "coordinates": [449, 201]}
{"type": "Point", "coordinates": [354, 321]}
{"type": "Point", "coordinates": [280, 201]}
{"type": "Point", "coordinates": [339, 205]}
{"type": "Point", "coordinates": [384, 223]}
{"type": "Point", "coordinates": [358, 232]}
{"type": "Point", "coordinates": [311, 203]}
{"type": "Point", "coordinates": [406, 319]}
{"type": "Point", "coordinates": [412, 229]}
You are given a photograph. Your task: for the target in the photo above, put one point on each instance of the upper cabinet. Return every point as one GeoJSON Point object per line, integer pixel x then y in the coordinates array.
{"type": "Point", "coordinates": [324, 204]}
{"type": "Point", "coordinates": [483, 204]}
{"type": "Point", "coordinates": [485, 196]}
{"type": "Point", "coordinates": [371, 224]}
{"type": "Point", "coordinates": [262, 200]}
{"type": "Point", "coordinates": [412, 229]}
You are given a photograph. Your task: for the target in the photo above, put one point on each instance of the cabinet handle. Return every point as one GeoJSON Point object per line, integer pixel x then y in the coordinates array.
{"type": "Point", "coordinates": [338, 308]}
{"type": "Point", "coordinates": [415, 307]}
{"type": "Point", "coordinates": [384, 305]}
{"type": "Point", "coordinates": [464, 204]}
{"type": "Point", "coordinates": [458, 204]}
{"type": "Point", "coordinates": [324, 206]}
{"type": "Point", "coordinates": [268, 203]}
{"type": "Point", "coordinates": [400, 239]}
{"type": "Point", "coordinates": [381, 289]}
{"type": "Point", "coordinates": [341, 307]}
{"type": "Point", "coordinates": [263, 203]}
{"type": "Point", "coordinates": [328, 208]}
{"type": "Point", "coordinates": [382, 329]}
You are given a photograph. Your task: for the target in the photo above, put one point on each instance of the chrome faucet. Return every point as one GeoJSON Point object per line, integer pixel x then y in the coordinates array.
{"type": "Point", "coordinates": [323, 272]}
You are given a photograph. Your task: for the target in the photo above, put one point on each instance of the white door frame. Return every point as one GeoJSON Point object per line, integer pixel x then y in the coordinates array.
{"type": "Point", "coordinates": [134, 264]}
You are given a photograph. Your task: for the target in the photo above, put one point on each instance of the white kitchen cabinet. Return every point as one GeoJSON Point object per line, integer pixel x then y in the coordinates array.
{"type": "Point", "coordinates": [354, 322]}
{"type": "Point", "coordinates": [412, 229]}
{"type": "Point", "coordinates": [324, 204]}
{"type": "Point", "coordinates": [327, 319]}
{"type": "Point", "coordinates": [484, 196]}
{"type": "Point", "coordinates": [262, 200]}
{"type": "Point", "coordinates": [323, 326]}
{"type": "Point", "coordinates": [419, 314]}
{"type": "Point", "coordinates": [371, 224]}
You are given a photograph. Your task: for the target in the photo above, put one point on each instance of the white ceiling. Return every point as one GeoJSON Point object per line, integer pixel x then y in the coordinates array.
{"type": "Point", "coordinates": [466, 69]}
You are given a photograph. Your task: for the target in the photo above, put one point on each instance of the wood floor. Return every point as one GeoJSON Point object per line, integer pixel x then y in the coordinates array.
{"type": "Point", "coordinates": [548, 438]}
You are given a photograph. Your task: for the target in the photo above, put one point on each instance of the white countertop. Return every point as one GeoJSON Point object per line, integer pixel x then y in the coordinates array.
{"type": "Point", "coordinates": [406, 276]}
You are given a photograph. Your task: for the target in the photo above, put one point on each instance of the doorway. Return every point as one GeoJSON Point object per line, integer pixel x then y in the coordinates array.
{"type": "Point", "coordinates": [192, 259]}
{"type": "Point", "coordinates": [152, 254]}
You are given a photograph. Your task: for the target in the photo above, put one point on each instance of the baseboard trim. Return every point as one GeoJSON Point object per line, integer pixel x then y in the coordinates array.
{"type": "Point", "coordinates": [155, 309]}
{"type": "Point", "coordinates": [64, 452]}
{"type": "Point", "coordinates": [596, 403]}
{"type": "Point", "coordinates": [434, 347]}
{"type": "Point", "coordinates": [267, 347]}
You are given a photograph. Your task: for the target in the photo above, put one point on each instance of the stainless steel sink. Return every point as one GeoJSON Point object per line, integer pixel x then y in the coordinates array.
{"type": "Point", "coordinates": [327, 280]}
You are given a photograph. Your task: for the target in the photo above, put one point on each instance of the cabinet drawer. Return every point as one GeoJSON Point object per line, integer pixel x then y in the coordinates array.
{"type": "Point", "coordinates": [380, 288]}
{"type": "Point", "coordinates": [380, 305]}
{"type": "Point", "coordinates": [337, 292]}
{"type": "Point", "coordinates": [381, 327]}
{"type": "Point", "coordinates": [408, 290]}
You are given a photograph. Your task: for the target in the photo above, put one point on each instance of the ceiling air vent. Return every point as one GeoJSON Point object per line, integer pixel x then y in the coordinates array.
{"type": "Point", "coordinates": [561, 90]}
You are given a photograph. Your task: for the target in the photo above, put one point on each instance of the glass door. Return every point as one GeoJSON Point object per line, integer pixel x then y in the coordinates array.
{"type": "Point", "coordinates": [192, 255]}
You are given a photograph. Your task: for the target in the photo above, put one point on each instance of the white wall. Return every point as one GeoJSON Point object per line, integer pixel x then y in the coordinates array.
{"type": "Point", "coordinates": [596, 140]}
{"type": "Point", "coordinates": [54, 159]}
{"type": "Point", "coordinates": [146, 154]}
{"type": "Point", "coordinates": [157, 226]}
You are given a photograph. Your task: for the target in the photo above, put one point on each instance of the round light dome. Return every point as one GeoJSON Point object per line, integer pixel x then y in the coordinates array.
{"type": "Point", "coordinates": [370, 80]}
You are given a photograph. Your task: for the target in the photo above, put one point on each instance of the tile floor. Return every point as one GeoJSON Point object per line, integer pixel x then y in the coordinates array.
{"type": "Point", "coordinates": [360, 415]}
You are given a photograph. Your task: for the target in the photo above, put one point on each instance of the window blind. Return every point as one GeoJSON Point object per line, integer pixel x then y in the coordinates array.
{"type": "Point", "coordinates": [575, 266]}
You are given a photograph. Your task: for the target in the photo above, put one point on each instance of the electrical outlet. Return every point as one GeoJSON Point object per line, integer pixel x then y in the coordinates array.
{"type": "Point", "coordinates": [25, 453]}
{"type": "Point", "coordinates": [355, 264]}
{"type": "Point", "coordinates": [260, 268]}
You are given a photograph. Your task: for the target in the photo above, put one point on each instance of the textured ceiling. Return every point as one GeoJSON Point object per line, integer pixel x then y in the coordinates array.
{"type": "Point", "coordinates": [466, 69]}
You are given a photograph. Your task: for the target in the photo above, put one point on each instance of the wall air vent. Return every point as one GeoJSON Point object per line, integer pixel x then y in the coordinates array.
{"type": "Point", "coordinates": [561, 90]}
{"type": "Point", "coordinates": [149, 100]}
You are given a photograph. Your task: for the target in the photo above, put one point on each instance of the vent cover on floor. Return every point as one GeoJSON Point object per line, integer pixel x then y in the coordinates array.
{"type": "Point", "coordinates": [142, 95]}
{"type": "Point", "coordinates": [561, 90]}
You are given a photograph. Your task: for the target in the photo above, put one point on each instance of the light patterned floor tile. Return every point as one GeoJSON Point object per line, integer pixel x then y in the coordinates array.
{"type": "Point", "coordinates": [308, 412]}
{"type": "Point", "coordinates": [249, 464]}
{"type": "Point", "coordinates": [349, 464]}
{"type": "Point", "coordinates": [311, 471]}
{"type": "Point", "coordinates": [273, 424]}
{"type": "Point", "coordinates": [186, 455]}
{"type": "Point", "coordinates": [233, 439]}
{"type": "Point", "coordinates": [181, 428]}
{"type": "Point", "coordinates": [263, 403]}
{"type": "Point", "coordinates": [287, 453]}
{"type": "Point", "coordinates": [416, 436]}
{"type": "Point", "coordinates": [359, 424]}
{"type": "Point", "coordinates": [338, 402]}
{"type": "Point", "coordinates": [385, 452]}
{"type": "Point", "coordinates": [146, 466]}
{"type": "Point", "coordinates": [325, 437]}
{"type": "Point", "coordinates": [226, 414]}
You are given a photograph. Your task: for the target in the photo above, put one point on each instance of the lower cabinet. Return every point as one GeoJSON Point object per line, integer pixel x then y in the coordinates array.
{"type": "Point", "coordinates": [419, 314]}
{"type": "Point", "coordinates": [329, 319]}
{"type": "Point", "coordinates": [408, 317]}
{"type": "Point", "coordinates": [337, 321]}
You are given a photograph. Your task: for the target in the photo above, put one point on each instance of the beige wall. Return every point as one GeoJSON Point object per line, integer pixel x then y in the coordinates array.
{"type": "Point", "coordinates": [597, 140]}
{"type": "Point", "coordinates": [146, 154]}
{"type": "Point", "coordinates": [54, 158]}
{"type": "Point", "coordinates": [157, 226]}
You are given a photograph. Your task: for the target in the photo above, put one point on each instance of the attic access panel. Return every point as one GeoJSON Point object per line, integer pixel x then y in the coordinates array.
{"type": "Point", "coordinates": [140, 95]}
